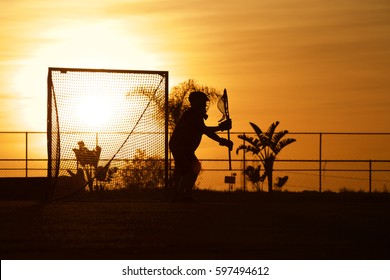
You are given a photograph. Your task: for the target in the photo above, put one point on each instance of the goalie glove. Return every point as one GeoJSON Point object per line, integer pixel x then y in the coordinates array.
{"type": "Point", "coordinates": [226, 142]}
{"type": "Point", "coordinates": [225, 125]}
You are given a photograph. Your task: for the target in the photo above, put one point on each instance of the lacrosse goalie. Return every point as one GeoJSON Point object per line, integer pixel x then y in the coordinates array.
{"type": "Point", "coordinates": [186, 138]}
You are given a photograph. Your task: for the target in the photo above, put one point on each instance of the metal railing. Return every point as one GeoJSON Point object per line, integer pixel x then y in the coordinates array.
{"type": "Point", "coordinates": [23, 154]}
{"type": "Point", "coordinates": [304, 175]}
{"type": "Point", "coordinates": [317, 161]}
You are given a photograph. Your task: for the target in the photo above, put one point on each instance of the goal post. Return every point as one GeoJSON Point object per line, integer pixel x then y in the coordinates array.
{"type": "Point", "coordinates": [106, 129]}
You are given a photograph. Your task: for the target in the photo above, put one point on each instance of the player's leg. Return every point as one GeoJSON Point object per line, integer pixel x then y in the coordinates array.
{"type": "Point", "coordinates": [181, 168]}
{"type": "Point", "coordinates": [187, 168]}
{"type": "Point", "coordinates": [177, 189]}
{"type": "Point", "coordinates": [190, 178]}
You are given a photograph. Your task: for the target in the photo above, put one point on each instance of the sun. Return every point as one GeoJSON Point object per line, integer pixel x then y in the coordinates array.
{"type": "Point", "coordinates": [100, 103]}
{"type": "Point", "coordinates": [93, 112]}
{"type": "Point", "coordinates": [100, 45]}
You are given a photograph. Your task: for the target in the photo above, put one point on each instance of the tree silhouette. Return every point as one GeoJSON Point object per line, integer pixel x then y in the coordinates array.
{"type": "Point", "coordinates": [266, 146]}
{"type": "Point", "coordinates": [178, 99]}
{"type": "Point", "coordinates": [143, 172]}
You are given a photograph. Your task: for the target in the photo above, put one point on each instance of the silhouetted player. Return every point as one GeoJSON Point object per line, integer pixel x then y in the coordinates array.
{"type": "Point", "coordinates": [186, 138]}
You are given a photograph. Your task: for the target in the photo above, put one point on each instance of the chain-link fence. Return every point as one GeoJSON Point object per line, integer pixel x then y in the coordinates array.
{"type": "Point", "coordinates": [315, 162]}
{"type": "Point", "coordinates": [303, 175]}
{"type": "Point", "coordinates": [23, 154]}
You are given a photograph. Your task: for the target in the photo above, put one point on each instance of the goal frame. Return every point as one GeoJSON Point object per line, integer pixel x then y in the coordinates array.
{"type": "Point", "coordinates": [50, 100]}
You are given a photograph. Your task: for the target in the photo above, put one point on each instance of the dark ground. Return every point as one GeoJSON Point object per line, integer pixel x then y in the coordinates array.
{"type": "Point", "coordinates": [222, 226]}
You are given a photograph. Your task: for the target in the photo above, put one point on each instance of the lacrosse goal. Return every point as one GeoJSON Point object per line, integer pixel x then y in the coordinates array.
{"type": "Point", "coordinates": [106, 129]}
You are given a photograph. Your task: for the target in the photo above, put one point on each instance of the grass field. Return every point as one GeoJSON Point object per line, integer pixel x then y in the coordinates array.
{"type": "Point", "coordinates": [221, 226]}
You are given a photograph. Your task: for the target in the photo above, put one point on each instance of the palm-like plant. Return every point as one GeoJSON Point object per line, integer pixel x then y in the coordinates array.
{"type": "Point", "coordinates": [266, 146]}
{"type": "Point", "coordinates": [254, 177]}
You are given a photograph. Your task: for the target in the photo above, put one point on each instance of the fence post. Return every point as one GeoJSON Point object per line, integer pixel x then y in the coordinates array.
{"type": "Point", "coordinates": [320, 164]}
{"type": "Point", "coordinates": [370, 176]}
{"type": "Point", "coordinates": [167, 161]}
{"type": "Point", "coordinates": [49, 129]}
{"type": "Point", "coordinates": [26, 154]}
{"type": "Point", "coordinates": [244, 165]}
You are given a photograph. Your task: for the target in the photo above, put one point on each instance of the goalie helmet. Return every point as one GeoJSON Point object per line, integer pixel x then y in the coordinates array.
{"type": "Point", "coordinates": [200, 101]}
{"type": "Point", "coordinates": [197, 97]}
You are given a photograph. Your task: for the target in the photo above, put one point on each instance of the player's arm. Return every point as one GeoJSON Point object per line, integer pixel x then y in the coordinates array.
{"type": "Point", "coordinates": [210, 131]}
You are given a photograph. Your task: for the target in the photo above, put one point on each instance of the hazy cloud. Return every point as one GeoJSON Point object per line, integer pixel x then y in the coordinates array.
{"type": "Point", "coordinates": [273, 52]}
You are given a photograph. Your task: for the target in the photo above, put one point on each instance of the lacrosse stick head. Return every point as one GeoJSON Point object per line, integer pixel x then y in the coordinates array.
{"type": "Point", "coordinates": [223, 106]}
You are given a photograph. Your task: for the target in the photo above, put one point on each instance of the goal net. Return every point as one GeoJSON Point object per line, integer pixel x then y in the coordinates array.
{"type": "Point", "coordinates": [107, 129]}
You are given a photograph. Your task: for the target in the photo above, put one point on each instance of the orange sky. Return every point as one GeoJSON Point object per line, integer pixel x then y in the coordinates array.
{"type": "Point", "coordinates": [314, 65]}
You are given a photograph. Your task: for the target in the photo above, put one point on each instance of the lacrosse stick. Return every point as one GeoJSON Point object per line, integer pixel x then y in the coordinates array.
{"type": "Point", "coordinates": [223, 106]}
